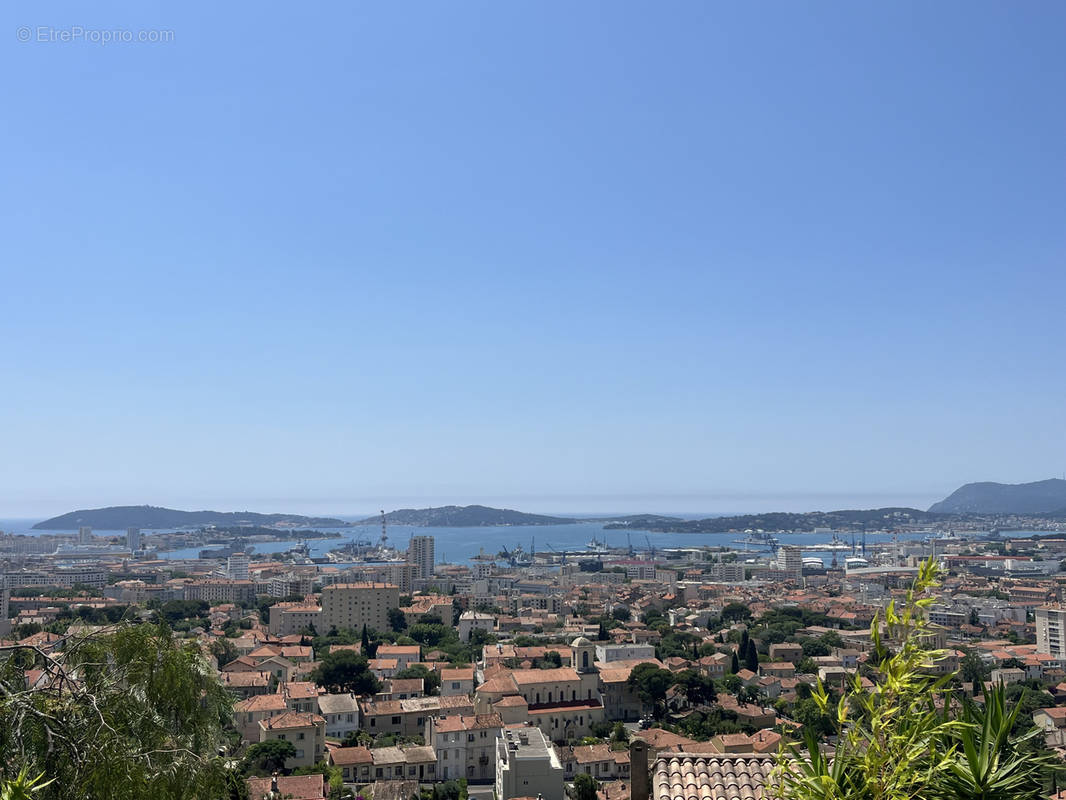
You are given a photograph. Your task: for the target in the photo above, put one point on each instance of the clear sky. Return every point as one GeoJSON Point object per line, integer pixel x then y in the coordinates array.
{"type": "Point", "coordinates": [695, 256]}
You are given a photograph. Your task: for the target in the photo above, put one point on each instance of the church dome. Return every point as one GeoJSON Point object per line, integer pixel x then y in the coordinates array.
{"type": "Point", "coordinates": [581, 641]}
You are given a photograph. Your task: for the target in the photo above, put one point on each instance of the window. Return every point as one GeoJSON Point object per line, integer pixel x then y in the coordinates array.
{"type": "Point", "coordinates": [395, 720]}
{"type": "Point", "coordinates": [300, 736]}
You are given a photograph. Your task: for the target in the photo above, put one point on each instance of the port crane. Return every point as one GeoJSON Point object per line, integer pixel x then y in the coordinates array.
{"type": "Point", "coordinates": [651, 549]}
{"type": "Point", "coordinates": [562, 555]}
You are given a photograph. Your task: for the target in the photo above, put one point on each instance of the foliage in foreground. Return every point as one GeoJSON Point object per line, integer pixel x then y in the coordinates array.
{"type": "Point", "coordinates": [910, 737]}
{"type": "Point", "coordinates": [127, 712]}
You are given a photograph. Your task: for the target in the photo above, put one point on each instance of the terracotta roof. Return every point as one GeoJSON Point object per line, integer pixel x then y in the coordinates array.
{"type": "Point", "coordinates": [261, 702]}
{"type": "Point", "coordinates": [465, 723]}
{"type": "Point", "coordinates": [292, 719]}
{"type": "Point", "coordinates": [298, 787]}
{"type": "Point", "coordinates": [557, 675]}
{"type": "Point", "coordinates": [737, 776]}
{"type": "Point", "coordinates": [457, 674]}
{"type": "Point", "coordinates": [347, 756]}
{"type": "Point", "coordinates": [660, 739]}
{"type": "Point", "coordinates": [240, 680]}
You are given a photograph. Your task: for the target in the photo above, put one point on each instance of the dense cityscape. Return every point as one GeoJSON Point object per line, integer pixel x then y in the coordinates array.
{"type": "Point", "coordinates": [382, 672]}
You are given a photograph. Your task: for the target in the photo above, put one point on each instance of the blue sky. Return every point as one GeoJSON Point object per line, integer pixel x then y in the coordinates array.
{"type": "Point", "coordinates": [558, 256]}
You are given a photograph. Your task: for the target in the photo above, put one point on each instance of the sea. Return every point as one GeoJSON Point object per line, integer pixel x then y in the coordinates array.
{"type": "Point", "coordinates": [460, 545]}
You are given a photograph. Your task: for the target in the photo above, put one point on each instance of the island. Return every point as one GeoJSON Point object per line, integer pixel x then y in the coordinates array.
{"type": "Point", "coordinates": [115, 518]}
{"type": "Point", "coordinates": [465, 517]}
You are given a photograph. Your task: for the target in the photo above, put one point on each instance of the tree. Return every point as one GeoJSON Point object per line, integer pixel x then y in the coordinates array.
{"type": "Point", "coordinates": [650, 683]}
{"type": "Point", "coordinates": [129, 711]}
{"type": "Point", "coordinates": [622, 614]}
{"type": "Point", "coordinates": [813, 648]}
{"type": "Point", "coordinates": [751, 657]}
{"type": "Point", "coordinates": [975, 618]}
{"type": "Point", "coordinates": [619, 733]}
{"type": "Point", "coordinates": [551, 660]}
{"type": "Point", "coordinates": [895, 743]}
{"type": "Point", "coordinates": [397, 620]}
{"type": "Point", "coordinates": [264, 758]}
{"type": "Point", "coordinates": [585, 787]}
{"type": "Point", "coordinates": [345, 671]}
{"type": "Point", "coordinates": [744, 639]}
{"type": "Point", "coordinates": [734, 665]}
{"type": "Point", "coordinates": [224, 651]}
{"type": "Point", "coordinates": [735, 612]}
{"type": "Point", "coordinates": [973, 669]}
{"type": "Point", "coordinates": [602, 634]}
{"type": "Point", "coordinates": [699, 688]}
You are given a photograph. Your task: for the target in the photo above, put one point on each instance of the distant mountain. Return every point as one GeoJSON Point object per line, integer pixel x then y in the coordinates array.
{"type": "Point", "coordinates": [465, 517]}
{"type": "Point", "coordinates": [151, 517]}
{"type": "Point", "coordinates": [779, 521]}
{"type": "Point", "coordinates": [1005, 498]}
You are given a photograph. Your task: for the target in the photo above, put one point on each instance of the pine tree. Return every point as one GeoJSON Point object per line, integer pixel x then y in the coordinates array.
{"type": "Point", "coordinates": [751, 657]}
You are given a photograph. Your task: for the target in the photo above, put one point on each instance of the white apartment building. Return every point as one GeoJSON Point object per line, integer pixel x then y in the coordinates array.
{"type": "Point", "coordinates": [790, 561]}
{"type": "Point", "coordinates": [237, 567]}
{"type": "Point", "coordinates": [465, 746]}
{"type": "Point", "coordinates": [527, 766]}
{"type": "Point", "coordinates": [624, 652]}
{"type": "Point", "coordinates": [1051, 630]}
{"type": "Point", "coordinates": [85, 534]}
{"type": "Point", "coordinates": [133, 539]}
{"type": "Point", "coordinates": [421, 552]}
{"type": "Point", "coordinates": [470, 621]}
{"type": "Point", "coordinates": [341, 712]}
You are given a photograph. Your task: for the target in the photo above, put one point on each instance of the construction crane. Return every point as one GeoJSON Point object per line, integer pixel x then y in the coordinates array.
{"type": "Point", "coordinates": [651, 550]}
{"type": "Point", "coordinates": [562, 556]}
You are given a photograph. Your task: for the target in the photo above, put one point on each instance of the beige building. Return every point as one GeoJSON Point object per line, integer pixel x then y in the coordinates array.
{"type": "Point", "coordinates": [220, 590]}
{"type": "Point", "coordinates": [465, 746]}
{"type": "Point", "coordinates": [307, 732]}
{"type": "Point", "coordinates": [352, 605]}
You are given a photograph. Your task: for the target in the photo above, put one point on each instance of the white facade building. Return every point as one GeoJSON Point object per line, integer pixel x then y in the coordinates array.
{"type": "Point", "coordinates": [790, 560]}
{"type": "Point", "coordinates": [133, 539]}
{"type": "Point", "coordinates": [624, 652]}
{"type": "Point", "coordinates": [527, 766]}
{"type": "Point", "coordinates": [237, 567]}
{"type": "Point", "coordinates": [422, 553]}
{"type": "Point", "coordinates": [341, 712]}
{"type": "Point", "coordinates": [1051, 630]}
{"type": "Point", "coordinates": [470, 621]}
